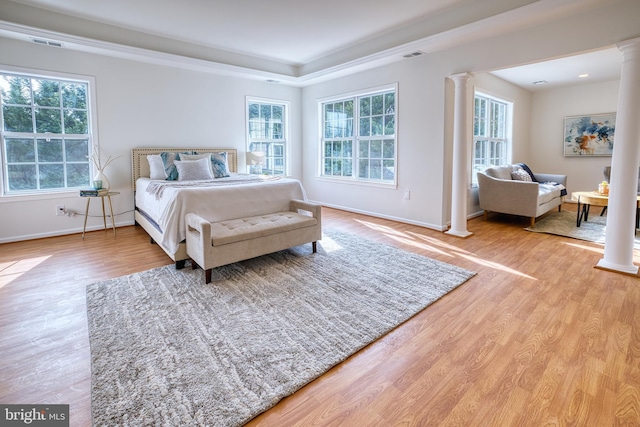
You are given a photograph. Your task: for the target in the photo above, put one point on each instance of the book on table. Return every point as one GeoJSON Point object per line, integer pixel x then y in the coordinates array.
{"type": "Point", "coordinates": [93, 192]}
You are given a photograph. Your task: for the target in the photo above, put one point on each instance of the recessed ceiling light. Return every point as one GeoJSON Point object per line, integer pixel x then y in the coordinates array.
{"type": "Point", "coordinates": [540, 82]}
{"type": "Point", "coordinates": [582, 76]}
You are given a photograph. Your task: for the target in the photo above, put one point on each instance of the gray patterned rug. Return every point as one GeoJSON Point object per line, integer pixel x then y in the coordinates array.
{"type": "Point", "coordinates": [167, 349]}
{"type": "Point", "coordinates": [564, 224]}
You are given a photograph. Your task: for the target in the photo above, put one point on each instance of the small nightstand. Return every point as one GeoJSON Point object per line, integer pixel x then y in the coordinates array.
{"type": "Point", "coordinates": [104, 215]}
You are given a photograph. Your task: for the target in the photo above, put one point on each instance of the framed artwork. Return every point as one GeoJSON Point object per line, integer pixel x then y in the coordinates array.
{"type": "Point", "coordinates": [590, 135]}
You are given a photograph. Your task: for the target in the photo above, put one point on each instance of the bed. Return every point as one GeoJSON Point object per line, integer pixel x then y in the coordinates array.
{"type": "Point", "coordinates": [161, 205]}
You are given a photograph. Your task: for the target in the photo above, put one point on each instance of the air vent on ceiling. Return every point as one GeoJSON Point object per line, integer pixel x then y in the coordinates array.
{"type": "Point", "coordinates": [413, 54]}
{"type": "Point", "coordinates": [47, 42]}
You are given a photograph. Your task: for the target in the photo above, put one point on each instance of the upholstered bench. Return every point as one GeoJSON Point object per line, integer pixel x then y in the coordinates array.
{"type": "Point", "coordinates": [211, 245]}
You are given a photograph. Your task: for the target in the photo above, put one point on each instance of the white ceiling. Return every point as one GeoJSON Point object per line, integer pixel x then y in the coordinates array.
{"type": "Point", "coordinates": [602, 65]}
{"type": "Point", "coordinates": [289, 31]}
{"type": "Point", "coordinates": [299, 40]}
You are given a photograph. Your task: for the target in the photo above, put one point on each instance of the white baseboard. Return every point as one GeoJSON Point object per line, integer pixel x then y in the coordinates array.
{"type": "Point", "coordinates": [75, 230]}
{"type": "Point", "coordinates": [389, 217]}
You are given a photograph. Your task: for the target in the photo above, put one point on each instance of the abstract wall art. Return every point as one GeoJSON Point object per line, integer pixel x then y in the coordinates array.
{"type": "Point", "coordinates": [590, 135]}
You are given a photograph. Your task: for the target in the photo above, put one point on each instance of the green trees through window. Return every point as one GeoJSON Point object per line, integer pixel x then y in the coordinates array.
{"type": "Point", "coordinates": [45, 133]}
{"type": "Point", "coordinates": [360, 142]}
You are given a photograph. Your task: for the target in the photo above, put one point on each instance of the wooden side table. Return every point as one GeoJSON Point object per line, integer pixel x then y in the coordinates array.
{"type": "Point", "coordinates": [104, 215]}
{"type": "Point", "coordinates": [586, 199]}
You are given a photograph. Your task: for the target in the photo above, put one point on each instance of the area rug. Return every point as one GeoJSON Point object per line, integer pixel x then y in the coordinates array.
{"type": "Point", "coordinates": [168, 349]}
{"type": "Point", "coordinates": [564, 224]}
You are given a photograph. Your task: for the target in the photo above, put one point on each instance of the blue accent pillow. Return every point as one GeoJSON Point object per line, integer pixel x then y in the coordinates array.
{"type": "Point", "coordinates": [169, 167]}
{"type": "Point", "coordinates": [219, 165]}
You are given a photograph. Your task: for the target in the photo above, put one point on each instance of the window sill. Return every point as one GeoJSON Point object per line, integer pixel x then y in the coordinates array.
{"type": "Point", "coordinates": [12, 198]}
{"type": "Point", "coordinates": [351, 181]}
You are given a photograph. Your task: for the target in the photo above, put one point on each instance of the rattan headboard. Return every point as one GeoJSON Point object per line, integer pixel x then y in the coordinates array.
{"type": "Point", "coordinates": [140, 165]}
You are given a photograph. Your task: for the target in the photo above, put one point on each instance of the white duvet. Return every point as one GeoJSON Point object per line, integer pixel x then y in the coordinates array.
{"type": "Point", "coordinates": [241, 195]}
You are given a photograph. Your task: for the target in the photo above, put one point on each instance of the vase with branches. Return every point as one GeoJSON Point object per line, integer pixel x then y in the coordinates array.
{"type": "Point", "coordinates": [100, 179]}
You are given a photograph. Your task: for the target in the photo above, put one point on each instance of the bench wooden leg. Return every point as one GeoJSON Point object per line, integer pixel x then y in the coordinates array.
{"type": "Point", "coordinates": [207, 275]}
{"type": "Point", "coordinates": [180, 264]}
{"type": "Point", "coordinates": [314, 245]}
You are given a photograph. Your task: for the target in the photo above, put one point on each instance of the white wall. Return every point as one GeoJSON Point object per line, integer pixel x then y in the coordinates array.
{"type": "Point", "coordinates": [139, 105]}
{"type": "Point", "coordinates": [547, 128]}
{"type": "Point", "coordinates": [420, 165]}
{"type": "Point", "coordinates": [425, 99]}
{"type": "Point", "coordinates": [424, 158]}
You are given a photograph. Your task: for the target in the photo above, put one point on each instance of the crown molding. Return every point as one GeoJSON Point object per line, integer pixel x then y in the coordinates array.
{"type": "Point", "coordinates": [320, 70]}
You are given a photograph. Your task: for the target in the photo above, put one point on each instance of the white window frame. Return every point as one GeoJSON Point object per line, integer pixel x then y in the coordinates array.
{"type": "Point", "coordinates": [269, 158]}
{"type": "Point", "coordinates": [92, 136]}
{"type": "Point", "coordinates": [355, 138]}
{"type": "Point", "coordinates": [493, 141]}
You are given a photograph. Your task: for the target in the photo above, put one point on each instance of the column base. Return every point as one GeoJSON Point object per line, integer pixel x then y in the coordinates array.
{"type": "Point", "coordinates": [459, 233]}
{"type": "Point", "coordinates": [630, 270]}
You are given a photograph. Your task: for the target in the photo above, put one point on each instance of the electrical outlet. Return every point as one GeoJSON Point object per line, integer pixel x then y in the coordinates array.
{"type": "Point", "coordinates": [60, 210]}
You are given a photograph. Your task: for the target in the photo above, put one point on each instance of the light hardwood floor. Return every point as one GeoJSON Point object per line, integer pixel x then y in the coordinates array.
{"type": "Point", "coordinates": [538, 337]}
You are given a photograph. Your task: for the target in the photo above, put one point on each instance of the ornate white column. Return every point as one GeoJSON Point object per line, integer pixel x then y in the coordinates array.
{"type": "Point", "coordinates": [621, 213]}
{"type": "Point", "coordinates": [460, 170]}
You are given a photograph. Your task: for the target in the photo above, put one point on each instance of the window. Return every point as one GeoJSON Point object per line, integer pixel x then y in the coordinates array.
{"type": "Point", "coordinates": [267, 131]}
{"type": "Point", "coordinates": [358, 139]}
{"type": "Point", "coordinates": [491, 133]}
{"type": "Point", "coordinates": [46, 133]}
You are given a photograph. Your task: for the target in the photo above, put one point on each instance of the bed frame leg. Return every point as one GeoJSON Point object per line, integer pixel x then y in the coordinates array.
{"type": "Point", "coordinates": [314, 245]}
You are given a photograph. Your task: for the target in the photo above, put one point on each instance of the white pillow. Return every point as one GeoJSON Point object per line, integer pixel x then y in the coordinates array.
{"type": "Point", "coordinates": [193, 170]}
{"type": "Point", "coordinates": [521, 175]}
{"type": "Point", "coordinates": [198, 157]}
{"type": "Point", "coordinates": [156, 167]}
{"type": "Point", "coordinates": [195, 156]}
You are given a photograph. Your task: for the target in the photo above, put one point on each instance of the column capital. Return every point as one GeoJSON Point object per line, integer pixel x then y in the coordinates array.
{"type": "Point", "coordinates": [461, 76]}
{"type": "Point", "coordinates": [631, 43]}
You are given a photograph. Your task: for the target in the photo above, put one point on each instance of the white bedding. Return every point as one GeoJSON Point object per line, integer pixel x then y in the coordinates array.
{"type": "Point", "coordinates": [243, 195]}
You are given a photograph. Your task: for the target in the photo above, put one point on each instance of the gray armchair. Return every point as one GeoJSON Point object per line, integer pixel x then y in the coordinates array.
{"type": "Point", "coordinates": [507, 189]}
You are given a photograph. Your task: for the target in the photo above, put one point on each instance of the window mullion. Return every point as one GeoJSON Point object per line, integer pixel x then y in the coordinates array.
{"type": "Point", "coordinates": [355, 147]}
